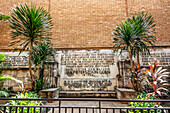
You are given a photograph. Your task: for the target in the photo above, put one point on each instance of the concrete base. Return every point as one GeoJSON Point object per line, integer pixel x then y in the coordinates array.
{"type": "Point", "coordinates": [123, 93]}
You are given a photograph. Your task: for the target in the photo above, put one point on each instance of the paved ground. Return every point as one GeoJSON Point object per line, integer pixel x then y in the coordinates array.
{"type": "Point", "coordinates": [85, 104]}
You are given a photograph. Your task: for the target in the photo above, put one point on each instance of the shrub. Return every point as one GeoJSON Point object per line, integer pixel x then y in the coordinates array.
{"type": "Point", "coordinates": [25, 103]}
{"type": "Point", "coordinates": [143, 96]}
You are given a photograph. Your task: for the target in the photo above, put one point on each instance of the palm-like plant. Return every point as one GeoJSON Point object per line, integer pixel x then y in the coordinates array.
{"type": "Point", "coordinates": [124, 37]}
{"type": "Point", "coordinates": [30, 25]}
{"type": "Point", "coordinates": [145, 36]}
{"type": "Point", "coordinates": [40, 55]}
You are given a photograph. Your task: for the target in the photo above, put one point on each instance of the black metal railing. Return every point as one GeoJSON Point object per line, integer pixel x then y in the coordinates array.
{"type": "Point", "coordinates": [59, 107]}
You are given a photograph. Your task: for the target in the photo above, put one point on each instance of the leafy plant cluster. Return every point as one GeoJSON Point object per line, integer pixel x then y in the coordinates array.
{"type": "Point", "coordinates": [4, 92]}
{"type": "Point", "coordinates": [4, 17]}
{"type": "Point", "coordinates": [3, 78]}
{"type": "Point", "coordinates": [135, 35]}
{"type": "Point", "coordinates": [30, 29]}
{"type": "Point", "coordinates": [143, 96]}
{"type": "Point", "coordinates": [25, 103]}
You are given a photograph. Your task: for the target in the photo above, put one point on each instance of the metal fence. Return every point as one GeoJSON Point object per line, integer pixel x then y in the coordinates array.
{"type": "Point", "coordinates": [59, 107]}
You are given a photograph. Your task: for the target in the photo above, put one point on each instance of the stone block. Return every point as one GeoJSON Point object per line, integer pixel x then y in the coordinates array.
{"type": "Point", "coordinates": [123, 93]}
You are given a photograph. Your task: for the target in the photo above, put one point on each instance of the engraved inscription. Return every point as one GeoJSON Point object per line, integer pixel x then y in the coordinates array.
{"type": "Point", "coordinates": [87, 64]}
{"type": "Point", "coordinates": [162, 58]}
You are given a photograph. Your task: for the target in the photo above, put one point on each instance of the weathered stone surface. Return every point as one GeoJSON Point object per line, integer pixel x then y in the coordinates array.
{"type": "Point", "coordinates": [86, 70]}
{"type": "Point", "coordinates": [162, 56]}
{"type": "Point", "coordinates": [123, 93]}
{"type": "Point", "coordinates": [93, 70]}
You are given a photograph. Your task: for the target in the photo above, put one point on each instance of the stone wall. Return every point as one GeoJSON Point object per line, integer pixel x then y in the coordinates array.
{"type": "Point", "coordinates": [86, 24]}
{"type": "Point", "coordinates": [93, 70]}
{"type": "Point", "coordinates": [87, 70]}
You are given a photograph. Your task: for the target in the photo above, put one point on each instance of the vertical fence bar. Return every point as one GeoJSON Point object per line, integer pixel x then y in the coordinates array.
{"type": "Point", "coordinates": [4, 109]}
{"type": "Point", "coordinates": [40, 109]}
{"type": "Point", "coordinates": [79, 110]}
{"type": "Point", "coordinates": [162, 111]}
{"type": "Point", "coordinates": [65, 110]}
{"type": "Point", "coordinates": [86, 110]}
{"type": "Point", "coordinates": [99, 106]}
{"type": "Point", "coordinates": [155, 111]}
{"type": "Point", "coordinates": [16, 110]}
{"type": "Point", "coordinates": [120, 111]}
{"type": "Point", "coordinates": [28, 110]}
{"type": "Point", "coordinates": [113, 110]}
{"type": "Point", "coordinates": [72, 110]}
{"type": "Point", "coordinates": [141, 110]}
{"type": "Point", "coordinates": [106, 110]}
{"type": "Point", "coordinates": [59, 106]}
{"type": "Point", "coordinates": [34, 109]}
{"type": "Point", "coordinates": [93, 110]}
{"type": "Point", "coordinates": [134, 110]}
{"type": "Point", "coordinates": [22, 109]}
{"type": "Point", "coordinates": [46, 110]}
{"type": "Point", "coordinates": [127, 110]}
{"type": "Point", "coordinates": [148, 110]}
{"type": "Point", "coordinates": [10, 109]}
{"type": "Point", "coordinates": [52, 110]}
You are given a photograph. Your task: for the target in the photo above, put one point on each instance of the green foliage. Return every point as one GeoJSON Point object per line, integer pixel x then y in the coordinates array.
{"type": "Point", "coordinates": [4, 17]}
{"type": "Point", "coordinates": [42, 53]}
{"type": "Point", "coordinates": [4, 78]}
{"type": "Point", "coordinates": [4, 92]}
{"type": "Point", "coordinates": [3, 65]}
{"type": "Point", "coordinates": [29, 25]}
{"type": "Point", "coordinates": [124, 35]}
{"type": "Point", "coordinates": [39, 84]}
{"type": "Point", "coordinates": [25, 103]}
{"type": "Point", "coordinates": [143, 96]}
{"type": "Point", "coordinates": [2, 57]}
{"type": "Point", "coordinates": [144, 36]}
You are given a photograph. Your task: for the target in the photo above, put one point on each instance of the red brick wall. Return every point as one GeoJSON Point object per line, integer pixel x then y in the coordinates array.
{"type": "Point", "coordinates": [89, 23]}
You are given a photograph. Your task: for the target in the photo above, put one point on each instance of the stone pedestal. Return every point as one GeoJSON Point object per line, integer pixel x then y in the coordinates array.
{"type": "Point", "coordinates": [123, 93]}
{"type": "Point", "coordinates": [49, 93]}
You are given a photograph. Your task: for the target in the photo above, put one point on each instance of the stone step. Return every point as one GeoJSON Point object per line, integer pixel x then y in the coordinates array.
{"type": "Point", "coordinates": [90, 92]}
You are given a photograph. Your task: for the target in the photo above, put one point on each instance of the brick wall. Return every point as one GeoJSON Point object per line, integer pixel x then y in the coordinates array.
{"type": "Point", "coordinates": [89, 23]}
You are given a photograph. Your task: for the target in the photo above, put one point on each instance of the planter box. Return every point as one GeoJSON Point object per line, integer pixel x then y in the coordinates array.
{"type": "Point", "coordinates": [124, 93]}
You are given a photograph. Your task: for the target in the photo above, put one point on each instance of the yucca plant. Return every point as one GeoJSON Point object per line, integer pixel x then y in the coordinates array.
{"type": "Point", "coordinates": [157, 80]}
{"type": "Point", "coordinates": [145, 35]}
{"type": "Point", "coordinates": [135, 35]}
{"type": "Point", "coordinates": [29, 26]}
{"type": "Point", "coordinates": [124, 36]}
